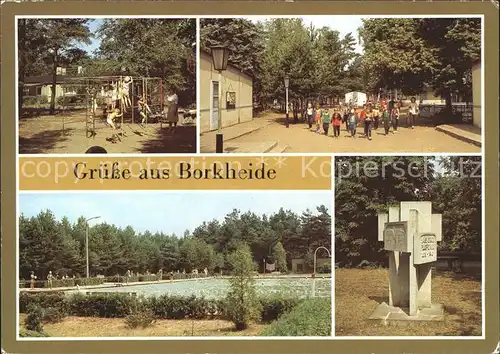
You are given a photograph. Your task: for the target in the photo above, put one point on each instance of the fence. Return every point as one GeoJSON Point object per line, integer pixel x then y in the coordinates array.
{"type": "Point", "coordinates": [465, 109]}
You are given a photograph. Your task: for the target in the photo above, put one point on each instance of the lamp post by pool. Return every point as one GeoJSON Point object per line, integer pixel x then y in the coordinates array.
{"type": "Point", "coordinates": [87, 241]}
{"type": "Point", "coordinates": [220, 56]}
{"type": "Point", "coordinates": [287, 83]}
{"type": "Point", "coordinates": [329, 255]}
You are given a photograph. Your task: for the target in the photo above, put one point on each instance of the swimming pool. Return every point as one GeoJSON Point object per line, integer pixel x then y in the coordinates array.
{"type": "Point", "coordinates": [217, 288]}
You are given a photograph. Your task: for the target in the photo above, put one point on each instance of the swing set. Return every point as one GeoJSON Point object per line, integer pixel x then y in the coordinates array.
{"type": "Point", "coordinates": [100, 96]}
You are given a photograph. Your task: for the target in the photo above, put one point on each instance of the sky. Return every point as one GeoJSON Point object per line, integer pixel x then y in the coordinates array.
{"type": "Point", "coordinates": [170, 212]}
{"type": "Point", "coordinates": [93, 25]}
{"type": "Point", "coordinates": [343, 24]}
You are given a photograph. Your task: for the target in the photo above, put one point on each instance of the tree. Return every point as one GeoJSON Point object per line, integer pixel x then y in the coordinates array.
{"type": "Point", "coordinates": [457, 196]}
{"type": "Point", "coordinates": [394, 54]}
{"type": "Point", "coordinates": [244, 40]}
{"type": "Point", "coordinates": [46, 242]}
{"type": "Point", "coordinates": [457, 43]}
{"type": "Point", "coordinates": [171, 254]}
{"type": "Point", "coordinates": [412, 54]}
{"type": "Point", "coordinates": [243, 305]}
{"type": "Point", "coordinates": [60, 37]}
{"type": "Point", "coordinates": [31, 52]}
{"type": "Point", "coordinates": [279, 256]}
{"type": "Point", "coordinates": [151, 47]}
{"type": "Point", "coordinates": [369, 185]}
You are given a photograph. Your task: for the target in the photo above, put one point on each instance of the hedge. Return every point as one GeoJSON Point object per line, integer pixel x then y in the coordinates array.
{"type": "Point", "coordinates": [312, 317]}
{"type": "Point", "coordinates": [61, 283]}
{"type": "Point", "coordinates": [114, 305]}
{"type": "Point", "coordinates": [151, 277]}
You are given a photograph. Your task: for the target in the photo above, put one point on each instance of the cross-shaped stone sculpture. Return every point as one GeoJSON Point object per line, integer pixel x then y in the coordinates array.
{"type": "Point", "coordinates": [410, 233]}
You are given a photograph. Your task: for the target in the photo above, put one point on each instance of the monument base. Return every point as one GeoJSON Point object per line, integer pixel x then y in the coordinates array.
{"type": "Point", "coordinates": [390, 314]}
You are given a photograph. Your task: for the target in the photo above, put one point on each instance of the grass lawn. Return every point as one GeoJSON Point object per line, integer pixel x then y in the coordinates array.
{"type": "Point", "coordinates": [115, 327]}
{"type": "Point", "coordinates": [359, 291]}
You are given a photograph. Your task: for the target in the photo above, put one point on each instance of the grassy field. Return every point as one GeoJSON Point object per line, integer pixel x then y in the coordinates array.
{"type": "Point", "coordinates": [115, 327]}
{"type": "Point", "coordinates": [359, 291]}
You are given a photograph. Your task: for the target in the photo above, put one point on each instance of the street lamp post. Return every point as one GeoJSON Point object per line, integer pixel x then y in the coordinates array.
{"type": "Point", "coordinates": [87, 242]}
{"type": "Point", "coordinates": [220, 56]}
{"type": "Point", "coordinates": [320, 247]}
{"type": "Point", "coordinates": [287, 83]}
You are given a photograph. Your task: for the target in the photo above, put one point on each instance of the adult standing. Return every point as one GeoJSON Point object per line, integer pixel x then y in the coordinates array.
{"type": "Point", "coordinates": [128, 276]}
{"type": "Point", "coordinates": [50, 277]}
{"type": "Point", "coordinates": [33, 278]}
{"type": "Point", "coordinates": [173, 109]}
{"type": "Point", "coordinates": [310, 112]}
{"type": "Point", "coordinates": [160, 274]}
{"type": "Point", "coordinates": [413, 110]}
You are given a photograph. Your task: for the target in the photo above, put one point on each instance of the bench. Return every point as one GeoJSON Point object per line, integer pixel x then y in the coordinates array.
{"type": "Point", "coordinates": [454, 262]}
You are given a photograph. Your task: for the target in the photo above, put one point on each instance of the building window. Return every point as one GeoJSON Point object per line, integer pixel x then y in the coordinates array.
{"type": "Point", "coordinates": [300, 268]}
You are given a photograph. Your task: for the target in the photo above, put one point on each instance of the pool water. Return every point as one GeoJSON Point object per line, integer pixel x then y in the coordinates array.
{"type": "Point", "coordinates": [217, 288]}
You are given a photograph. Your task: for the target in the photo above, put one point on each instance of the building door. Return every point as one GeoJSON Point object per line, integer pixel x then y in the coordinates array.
{"type": "Point", "coordinates": [214, 106]}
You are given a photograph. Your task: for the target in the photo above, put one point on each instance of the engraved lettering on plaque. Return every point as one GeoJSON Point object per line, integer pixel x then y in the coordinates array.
{"type": "Point", "coordinates": [425, 248]}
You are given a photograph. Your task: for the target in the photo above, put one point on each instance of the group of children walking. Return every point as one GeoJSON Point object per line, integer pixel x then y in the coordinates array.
{"type": "Point", "coordinates": [370, 116]}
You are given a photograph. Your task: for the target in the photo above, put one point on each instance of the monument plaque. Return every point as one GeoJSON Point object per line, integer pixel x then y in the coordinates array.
{"type": "Point", "coordinates": [410, 233]}
{"type": "Point", "coordinates": [425, 248]}
{"type": "Point", "coordinates": [395, 236]}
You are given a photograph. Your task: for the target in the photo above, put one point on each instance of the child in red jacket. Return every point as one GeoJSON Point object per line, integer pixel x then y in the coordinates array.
{"type": "Point", "coordinates": [336, 122]}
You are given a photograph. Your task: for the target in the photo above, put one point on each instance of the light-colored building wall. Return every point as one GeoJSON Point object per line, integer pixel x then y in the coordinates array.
{"type": "Point", "coordinates": [47, 91]}
{"type": "Point", "coordinates": [476, 93]}
{"type": "Point", "coordinates": [429, 97]}
{"type": "Point", "coordinates": [232, 80]}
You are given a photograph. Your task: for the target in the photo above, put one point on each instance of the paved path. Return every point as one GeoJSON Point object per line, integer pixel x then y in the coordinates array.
{"type": "Point", "coordinates": [299, 139]}
{"type": "Point", "coordinates": [466, 132]}
{"type": "Point", "coordinates": [207, 140]}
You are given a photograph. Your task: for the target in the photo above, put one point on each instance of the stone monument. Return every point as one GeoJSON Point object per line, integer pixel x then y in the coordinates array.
{"type": "Point", "coordinates": [410, 233]}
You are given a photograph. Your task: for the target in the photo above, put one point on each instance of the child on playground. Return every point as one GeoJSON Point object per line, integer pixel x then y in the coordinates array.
{"type": "Point", "coordinates": [115, 114]}
{"type": "Point", "coordinates": [336, 122]}
{"type": "Point", "coordinates": [353, 121]}
{"type": "Point", "coordinates": [386, 119]}
{"type": "Point", "coordinates": [317, 119]}
{"type": "Point", "coordinates": [325, 116]}
{"type": "Point", "coordinates": [143, 109]}
{"type": "Point", "coordinates": [395, 117]}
